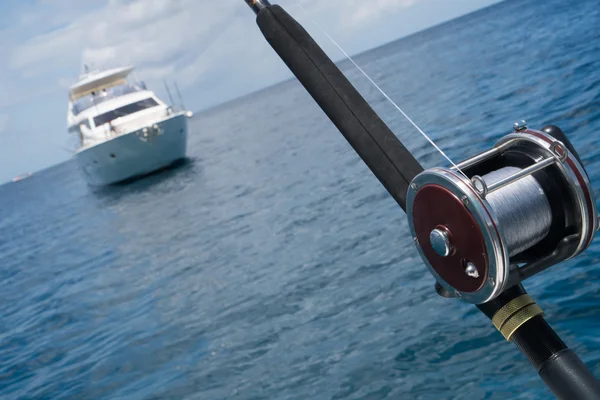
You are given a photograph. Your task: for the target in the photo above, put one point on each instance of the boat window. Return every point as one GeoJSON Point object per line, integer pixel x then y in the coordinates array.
{"type": "Point", "coordinates": [100, 96]}
{"type": "Point", "coordinates": [124, 110]}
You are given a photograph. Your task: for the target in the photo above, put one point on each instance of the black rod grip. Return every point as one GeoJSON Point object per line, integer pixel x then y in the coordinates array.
{"type": "Point", "coordinates": [375, 143]}
{"type": "Point", "coordinates": [559, 367]}
{"type": "Point", "coordinates": [569, 378]}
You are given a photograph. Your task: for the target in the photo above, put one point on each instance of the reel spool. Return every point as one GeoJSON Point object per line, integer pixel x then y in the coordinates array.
{"type": "Point", "coordinates": [527, 204]}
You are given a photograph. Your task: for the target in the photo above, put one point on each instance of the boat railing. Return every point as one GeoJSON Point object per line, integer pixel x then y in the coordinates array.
{"type": "Point", "coordinates": [118, 127]}
{"type": "Point", "coordinates": [95, 98]}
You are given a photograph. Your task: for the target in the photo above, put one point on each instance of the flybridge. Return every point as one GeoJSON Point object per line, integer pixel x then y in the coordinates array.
{"type": "Point", "coordinates": [98, 87]}
{"type": "Point", "coordinates": [98, 99]}
{"type": "Point", "coordinates": [98, 81]}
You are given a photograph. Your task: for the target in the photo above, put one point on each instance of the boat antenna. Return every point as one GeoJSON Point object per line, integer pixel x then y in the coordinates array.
{"type": "Point", "coordinates": [179, 95]}
{"type": "Point", "coordinates": [168, 92]}
{"type": "Point", "coordinates": [470, 240]}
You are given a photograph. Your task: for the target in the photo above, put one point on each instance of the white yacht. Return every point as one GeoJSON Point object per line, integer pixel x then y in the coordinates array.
{"type": "Point", "coordinates": [123, 130]}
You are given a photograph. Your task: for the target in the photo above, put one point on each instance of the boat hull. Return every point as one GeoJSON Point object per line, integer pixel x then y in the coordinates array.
{"type": "Point", "coordinates": [136, 153]}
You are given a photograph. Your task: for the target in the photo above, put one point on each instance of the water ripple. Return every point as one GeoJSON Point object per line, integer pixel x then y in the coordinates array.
{"type": "Point", "coordinates": [272, 265]}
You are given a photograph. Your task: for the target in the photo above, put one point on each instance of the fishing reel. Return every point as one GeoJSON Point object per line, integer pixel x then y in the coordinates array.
{"type": "Point", "coordinates": [503, 215]}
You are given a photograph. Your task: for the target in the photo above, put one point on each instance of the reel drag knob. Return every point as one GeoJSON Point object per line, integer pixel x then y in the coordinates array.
{"type": "Point", "coordinates": [441, 242]}
{"type": "Point", "coordinates": [502, 216]}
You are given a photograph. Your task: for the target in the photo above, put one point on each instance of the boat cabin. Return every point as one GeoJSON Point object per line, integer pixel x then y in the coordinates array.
{"type": "Point", "coordinates": [104, 100]}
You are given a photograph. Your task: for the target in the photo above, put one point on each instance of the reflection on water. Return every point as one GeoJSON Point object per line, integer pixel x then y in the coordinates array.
{"type": "Point", "coordinates": [180, 172]}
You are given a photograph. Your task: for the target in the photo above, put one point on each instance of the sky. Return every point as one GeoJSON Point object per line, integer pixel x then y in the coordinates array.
{"type": "Point", "coordinates": [211, 48]}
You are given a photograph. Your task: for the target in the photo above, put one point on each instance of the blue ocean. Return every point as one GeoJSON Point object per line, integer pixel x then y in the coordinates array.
{"type": "Point", "coordinates": [273, 265]}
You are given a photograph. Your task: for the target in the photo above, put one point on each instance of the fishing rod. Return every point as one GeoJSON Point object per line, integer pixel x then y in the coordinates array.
{"type": "Point", "coordinates": [483, 225]}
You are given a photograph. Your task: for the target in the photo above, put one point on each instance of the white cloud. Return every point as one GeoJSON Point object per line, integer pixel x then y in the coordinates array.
{"type": "Point", "coordinates": [375, 9]}
{"type": "Point", "coordinates": [164, 36]}
{"type": "Point", "coordinates": [350, 15]}
{"type": "Point", "coordinates": [182, 39]}
{"type": "Point", "coordinates": [45, 48]}
{"type": "Point", "coordinates": [212, 48]}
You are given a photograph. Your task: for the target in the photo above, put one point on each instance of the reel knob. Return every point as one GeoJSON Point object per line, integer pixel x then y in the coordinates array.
{"type": "Point", "coordinates": [441, 241]}
{"type": "Point", "coordinates": [502, 215]}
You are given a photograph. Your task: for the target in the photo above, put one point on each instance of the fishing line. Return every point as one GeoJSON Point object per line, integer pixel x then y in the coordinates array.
{"type": "Point", "coordinates": [381, 90]}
